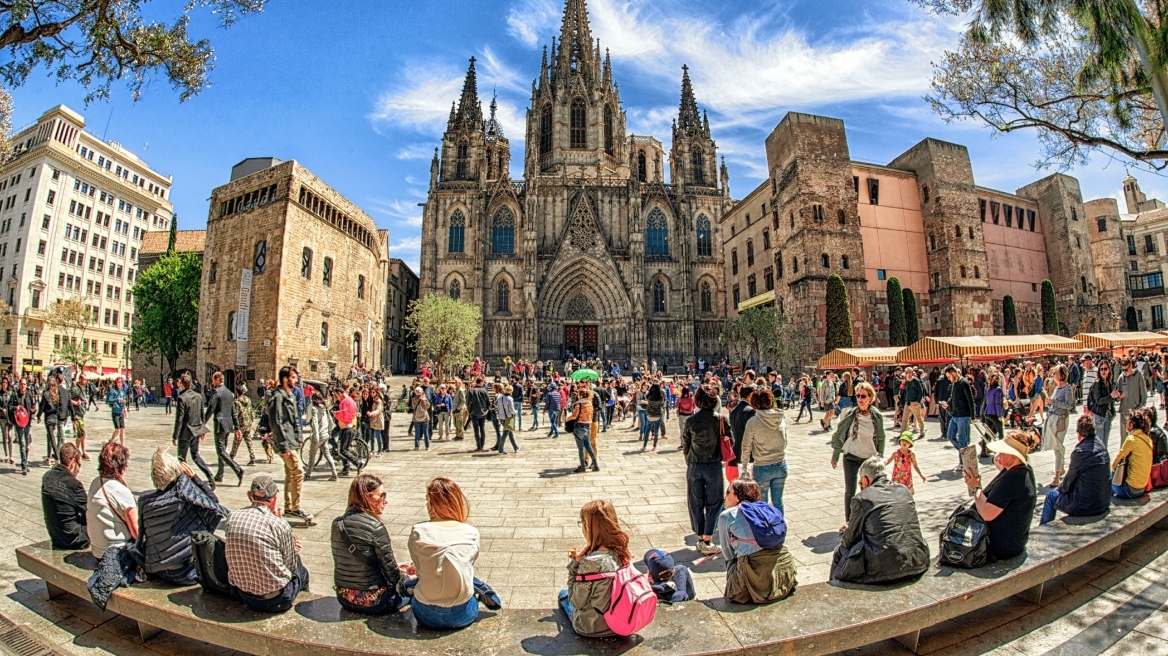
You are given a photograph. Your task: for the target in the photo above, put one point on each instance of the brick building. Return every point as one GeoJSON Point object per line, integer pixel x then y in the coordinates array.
{"type": "Point", "coordinates": [153, 369]}
{"type": "Point", "coordinates": [293, 274]}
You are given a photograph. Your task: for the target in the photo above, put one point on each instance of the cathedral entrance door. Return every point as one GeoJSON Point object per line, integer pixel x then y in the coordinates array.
{"type": "Point", "coordinates": [571, 339]}
{"type": "Point", "coordinates": [581, 338]}
{"type": "Point", "coordinates": [588, 339]}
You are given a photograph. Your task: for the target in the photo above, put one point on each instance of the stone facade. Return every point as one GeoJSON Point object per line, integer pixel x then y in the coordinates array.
{"type": "Point", "coordinates": [1109, 251]}
{"type": "Point", "coordinates": [153, 369]}
{"type": "Point", "coordinates": [401, 289]}
{"type": "Point", "coordinates": [318, 267]}
{"type": "Point", "coordinates": [592, 251]}
{"type": "Point", "coordinates": [1140, 249]}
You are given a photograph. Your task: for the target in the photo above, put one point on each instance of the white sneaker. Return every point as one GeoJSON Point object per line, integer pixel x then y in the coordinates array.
{"type": "Point", "coordinates": [708, 548]}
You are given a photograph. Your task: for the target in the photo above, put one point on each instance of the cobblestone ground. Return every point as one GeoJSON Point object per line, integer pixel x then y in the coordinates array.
{"type": "Point", "coordinates": [526, 507]}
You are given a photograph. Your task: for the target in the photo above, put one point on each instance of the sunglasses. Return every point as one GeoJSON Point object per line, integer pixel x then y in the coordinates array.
{"type": "Point", "coordinates": [383, 496]}
{"type": "Point", "coordinates": [861, 396]}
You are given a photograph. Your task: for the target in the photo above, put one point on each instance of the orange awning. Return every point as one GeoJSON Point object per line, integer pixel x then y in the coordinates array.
{"type": "Point", "coordinates": [935, 350]}
{"type": "Point", "coordinates": [1116, 340]}
{"type": "Point", "coordinates": [843, 358]}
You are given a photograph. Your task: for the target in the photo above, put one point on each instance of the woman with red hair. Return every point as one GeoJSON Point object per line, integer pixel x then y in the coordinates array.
{"type": "Point", "coordinates": [585, 601]}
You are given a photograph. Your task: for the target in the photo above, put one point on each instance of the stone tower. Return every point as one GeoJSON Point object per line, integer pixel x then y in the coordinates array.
{"type": "Point", "coordinates": [1109, 253]}
{"type": "Point", "coordinates": [959, 297]}
{"type": "Point", "coordinates": [816, 222]}
{"type": "Point", "coordinates": [1135, 199]}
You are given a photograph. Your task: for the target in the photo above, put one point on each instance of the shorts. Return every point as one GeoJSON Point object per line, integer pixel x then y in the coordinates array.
{"type": "Point", "coordinates": [119, 420]}
{"type": "Point", "coordinates": [79, 427]}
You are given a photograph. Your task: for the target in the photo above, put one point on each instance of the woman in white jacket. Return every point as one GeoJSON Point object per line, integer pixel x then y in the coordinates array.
{"type": "Point", "coordinates": [319, 427]}
{"type": "Point", "coordinates": [764, 442]}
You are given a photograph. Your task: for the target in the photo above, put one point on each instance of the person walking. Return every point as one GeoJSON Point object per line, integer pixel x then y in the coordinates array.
{"type": "Point", "coordinates": [318, 432]}
{"type": "Point", "coordinates": [552, 403]}
{"type": "Point", "coordinates": [77, 407]}
{"type": "Point", "coordinates": [1133, 393]}
{"type": "Point", "coordinates": [243, 416]}
{"type": "Point", "coordinates": [284, 422]}
{"type": "Point", "coordinates": [505, 411]}
{"type": "Point", "coordinates": [994, 410]}
{"type": "Point", "coordinates": [49, 410]}
{"type": "Point", "coordinates": [167, 390]}
{"type": "Point", "coordinates": [459, 398]}
{"type": "Point", "coordinates": [764, 442]}
{"type": "Point", "coordinates": [421, 409]}
{"type": "Point", "coordinates": [115, 398]}
{"type": "Point", "coordinates": [21, 405]}
{"type": "Point", "coordinates": [859, 436]}
{"type": "Point", "coordinates": [581, 414]}
{"type": "Point", "coordinates": [1054, 431]}
{"type": "Point", "coordinates": [189, 425]}
{"type": "Point", "coordinates": [222, 409]}
{"type": "Point", "coordinates": [914, 394]}
{"type": "Point", "coordinates": [478, 405]}
{"type": "Point", "coordinates": [960, 409]}
{"type": "Point", "coordinates": [701, 445]}
{"type": "Point", "coordinates": [1101, 402]}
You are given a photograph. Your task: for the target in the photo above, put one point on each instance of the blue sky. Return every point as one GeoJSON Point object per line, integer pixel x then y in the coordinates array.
{"type": "Point", "coordinates": [360, 94]}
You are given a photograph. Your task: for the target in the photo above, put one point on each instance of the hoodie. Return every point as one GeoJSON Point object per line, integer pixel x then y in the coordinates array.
{"type": "Point", "coordinates": [765, 438]}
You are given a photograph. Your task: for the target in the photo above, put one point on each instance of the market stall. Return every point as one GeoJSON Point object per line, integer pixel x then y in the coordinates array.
{"type": "Point", "coordinates": [983, 348]}
{"type": "Point", "coordinates": [847, 358]}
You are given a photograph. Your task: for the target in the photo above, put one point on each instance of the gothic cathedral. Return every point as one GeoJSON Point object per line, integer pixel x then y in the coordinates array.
{"type": "Point", "coordinates": [592, 252]}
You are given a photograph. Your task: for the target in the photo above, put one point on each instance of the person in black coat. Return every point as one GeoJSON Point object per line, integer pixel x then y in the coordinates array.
{"type": "Point", "coordinates": [222, 408]}
{"type": "Point", "coordinates": [365, 572]}
{"type": "Point", "coordinates": [1086, 488]}
{"type": "Point", "coordinates": [883, 541]}
{"type": "Point", "coordinates": [180, 504]}
{"type": "Point", "coordinates": [189, 425]}
{"type": "Point", "coordinates": [22, 397]}
{"type": "Point", "coordinates": [741, 414]}
{"type": "Point", "coordinates": [701, 444]}
{"type": "Point", "coordinates": [63, 500]}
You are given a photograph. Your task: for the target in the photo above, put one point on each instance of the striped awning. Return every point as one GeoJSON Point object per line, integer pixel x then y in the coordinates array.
{"type": "Point", "coordinates": [765, 298]}
{"type": "Point", "coordinates": [951, 349]}
{"type": "Point", "coordinates": [1114, 340]}
{"type": "Point", "coordinates": [843, 358]}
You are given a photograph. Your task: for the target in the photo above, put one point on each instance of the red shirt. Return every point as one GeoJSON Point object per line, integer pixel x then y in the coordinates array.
{"type": "Point", "coordinates": [346, 412]}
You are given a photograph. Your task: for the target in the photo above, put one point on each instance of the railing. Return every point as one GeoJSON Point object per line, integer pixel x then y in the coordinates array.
{"type": "Point", "coordinates": [1145, 293]}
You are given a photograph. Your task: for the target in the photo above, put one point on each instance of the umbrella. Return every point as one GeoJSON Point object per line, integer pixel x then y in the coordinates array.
{"type": "Point", "coordinates": [583, 374]}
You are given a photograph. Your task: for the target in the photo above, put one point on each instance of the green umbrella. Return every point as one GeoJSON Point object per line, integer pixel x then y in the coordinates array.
{"type": "Point", "coordinates": [582, 374]}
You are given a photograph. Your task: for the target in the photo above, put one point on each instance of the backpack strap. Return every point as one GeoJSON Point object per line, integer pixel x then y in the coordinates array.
{"type": "Point", "coordinates": [595, 577]}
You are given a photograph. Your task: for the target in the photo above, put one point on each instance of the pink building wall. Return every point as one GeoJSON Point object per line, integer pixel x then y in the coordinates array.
{"type": "Point", "coordinates": [1017, 256]}
{"type": "Point", "coordinates": [893, 232]}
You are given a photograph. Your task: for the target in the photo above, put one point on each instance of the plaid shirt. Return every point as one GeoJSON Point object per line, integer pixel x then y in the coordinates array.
{"type": "Point", "coordinates": [261, 554]}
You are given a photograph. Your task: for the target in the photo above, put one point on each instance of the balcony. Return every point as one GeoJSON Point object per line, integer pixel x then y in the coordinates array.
{"type": "Point", "coordinates": [1145, 293]}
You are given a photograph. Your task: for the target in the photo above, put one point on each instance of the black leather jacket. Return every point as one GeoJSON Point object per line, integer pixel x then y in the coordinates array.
{"type": "Point", "coordinates": [1099, 399]}
{"type": "Point", "coordinates": [362, 555]}
{"type": "Point", "coordinates": [701, 439]}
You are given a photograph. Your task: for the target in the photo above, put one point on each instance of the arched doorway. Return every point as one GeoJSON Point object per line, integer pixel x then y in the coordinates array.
{"type": "Point", "coordinates": [583, 309]}
{"type": "Point", "coordinates": [581, 328]}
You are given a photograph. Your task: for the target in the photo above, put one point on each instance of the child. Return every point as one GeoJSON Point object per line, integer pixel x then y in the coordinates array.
{"type": "Point", "coordinates": [672, 583]}
{"type": "Point", "coordinates": [906, 462]}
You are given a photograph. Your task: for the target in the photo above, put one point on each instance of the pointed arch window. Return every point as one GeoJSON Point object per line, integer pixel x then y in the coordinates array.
{"type": "Point", "coordinates": [455, 289]}
{"type": "Point", "coordinates": [502, 297]}
{"type": "Point", "coordinates": [657, 235]}
{"type": "Point", "coordinates": [705, 247]}
{"type": "Point", "coordinates": [699, 166]}
{"type": "Point", "coordinates": [545, 130]}
{"type": "Point", "coordinates": [456, 241]}
{"type": "Point", "coordinates": [707, 298]}
{"type": "Point", "coordinates": [462, 163]}
{"type": "Point", "coordinates": [608, 129]}
{"type": "Point", "coordinates": [658, 296]}
{"type": "Point", "coordinates": [324, 333]}
{"type": "Point", "coordinates": [642, 172]}
{"type": "Point", "coordinates": [579, 117]}
{"type": "Point", "coordinates": [503, 232]}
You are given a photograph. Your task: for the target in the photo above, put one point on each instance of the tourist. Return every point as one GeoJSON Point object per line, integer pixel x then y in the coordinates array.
{"type": "Point", "coordinates": [828, 398]}
{"type": "Point", "coordinates": [51, 411]}
{"type": "Point", "coordinates": [263, 560]}
{"type": "Point", "coordinates": [914, 395]}
{"type": "Point", "coordinates": [552, 402]}
{"type": "Point", "coordinates": [189, 426]}
{"type": "Point", "coordinates": [764, 443]}
{"type": "Point", "coordinates": [959, 406]}
{"type": "Point", "coordinates": [859, 436]}
{"type": "Point", "coordinates": [478, 404]}
{"type": "Point", "coordinates": [672, 583]}
{"type": "Point", "coordinates": [21, 405]}
{"type": "Point", "coordinates": [1086, 488]}
{"type": "Point", "coordinates": [64, 502]}
{"type": "Point", "coordinates": [505, 411]}
{"type": "Point", "coordinates": [458, 397]}
{"type": "Point", "coordinates": [1136, 452]}
{"type": "Point", "coordinates": [701, 445]}
{"type": "Point", "coordinates": [6, 422]}
{"type": "Point", "coordinates": [905, 462]}
{"type": "Point", "coordinates": [685, 408]}
{"type": "Point", "coordinates": [994, 410]}
{"type": "Point", "coordinates": [243, 416]}
{"type": "Point", "coordinates": [319, 430]}
{"type": "Point", "coordinates": [1101, 402]}
{"type": "Point", "coordinates": [115, 398]}
{"type": "Point", "coordinates": [883, 542]}
{"type": "Point", "coordinates": [1007, 503]}
{"type": "Point", "coordinates": [753, 574]}
{"type": "Point", "coordinates": [179, 504]}
{"type": "Point", "coordinates": [377, 418]}
{"type": "Point", "coordinates": [345, 414]}
{"type": "Point", "coordinates": [365, 573]}
{"type": "Point", "coordinates": [222, 408]}
{"type": "Point", "coordinates": [76, 409]}
{"type": "Point", "coordinates": [588, 596]}
{"type": "Point", "coordinates": [581, 414]}
{"type": "Point", "coordinates": [654, 415]}
{"type": "Point", "coordinates": [805, 396]}
{"type": "Point", "coordinates": [1133, 393]}
{"type": "Point", "coordinates": [442, 405]}
{"type": "Point", "coordinates": [740, 413]}
{"type": "Point", "coordinates": [284, 422]}
{"type": "Point", "coordinates": [446, 593]}
{"type": "Point", "coordinates": [533, 397]}
{"type": "Point", "coordinates": [420, 407]}
{"type": "Point", "coordinates": [167, 390]}
{"type": "Point", "coordinates": [111, 516]}
{"type": "Point", "coordinates": [1062, 402]}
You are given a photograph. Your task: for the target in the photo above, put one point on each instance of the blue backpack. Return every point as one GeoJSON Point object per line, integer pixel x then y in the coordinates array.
{"type": "Point", "coordinates": [766, 523]}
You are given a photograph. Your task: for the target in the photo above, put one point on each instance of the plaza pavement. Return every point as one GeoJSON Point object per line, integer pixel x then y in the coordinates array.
{"type": "Point", "coordinates": [526, 507]}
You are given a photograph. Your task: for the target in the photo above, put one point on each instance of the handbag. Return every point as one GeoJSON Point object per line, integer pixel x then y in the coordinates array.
{"type": "Point", "coordinates": [965, 539]}
{"type": "Point", "coordinates": [1159, 476]}
{"type": "Point", "coordinates": [1119, 476]}
{"type": "Point", "coordinates": [724, 442]}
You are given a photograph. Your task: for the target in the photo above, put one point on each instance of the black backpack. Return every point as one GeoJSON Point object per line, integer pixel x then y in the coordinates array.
{"type": "Point", "coordinates": [965, 539]}
{"type": "Point", "coordinates": [211, 563]}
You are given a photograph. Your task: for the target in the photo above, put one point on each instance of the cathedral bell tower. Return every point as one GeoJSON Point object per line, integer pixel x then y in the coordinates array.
{"type": "Point", "coordinates": [498, 149]}
{"type": "Point", "coordinates": [464, 146]}
{"type": "Point", "coordinates": [693, 158]}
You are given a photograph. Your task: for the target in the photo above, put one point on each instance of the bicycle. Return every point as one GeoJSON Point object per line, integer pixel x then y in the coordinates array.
{"type": "Point", "coordinates": [359, 447]}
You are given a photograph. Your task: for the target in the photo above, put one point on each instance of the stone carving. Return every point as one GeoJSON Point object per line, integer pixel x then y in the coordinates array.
{"type": "Point", "coordinates": [579, 308]}
{"type": "Point", "coordinates": [582, 233]}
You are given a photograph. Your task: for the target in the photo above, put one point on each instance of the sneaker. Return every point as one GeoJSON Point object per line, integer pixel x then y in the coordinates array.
{"type": "Point", "coordinates": [299, 514]}
{"type": "Point", "coordinates": [596, 468]}
{"type": "Point", "coordinates": [333, 477]}
{"type": "Point", "coordinates": [516, 451]}
{"type": "Point", "coordinates": [578, 470]}
{"type": "Point", "coordinates": [707, 548]}
{"type": "Point", "coordinates": [503, 453]}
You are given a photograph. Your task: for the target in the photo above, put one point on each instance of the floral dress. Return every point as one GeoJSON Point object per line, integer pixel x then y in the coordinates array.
{"type": "Point", "coordinates": [902, 469]}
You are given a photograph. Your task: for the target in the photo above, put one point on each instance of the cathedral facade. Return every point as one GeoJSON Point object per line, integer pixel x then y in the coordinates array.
{"type": "Point", "coordinates": [593, 251]}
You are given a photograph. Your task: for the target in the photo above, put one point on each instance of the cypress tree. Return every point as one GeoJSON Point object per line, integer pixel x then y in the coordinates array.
{"type": "Point", "coordinates": [839, 315]}
{"type": "Point", "coordinates": [912, 330]}
{"type": "Point", "coordinates": [1009, 316]}
{"type": "Point", "coordinates": [895, 313]}
{"type": "Point", "coordinates": [1050, 323]}
{"type": "Point", "coordinates": [173, 234]}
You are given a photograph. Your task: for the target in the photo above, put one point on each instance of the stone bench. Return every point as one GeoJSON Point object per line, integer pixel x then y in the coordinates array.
{"type": "Point", "coordinates": [817, 619]}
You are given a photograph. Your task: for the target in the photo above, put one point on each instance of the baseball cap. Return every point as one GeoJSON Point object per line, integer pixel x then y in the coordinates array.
{"type": "Point", "coordinates": [263, 487]}
{"type": "Point", "coordinates": [657, 561]}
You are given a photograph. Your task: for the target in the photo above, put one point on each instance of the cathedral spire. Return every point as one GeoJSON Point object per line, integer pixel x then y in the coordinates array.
{"type": "Point", "coordinates": [470, 111]}
{"type": "Point", "coordinates": [493, 126]}
{"type": "Point", "coordinates": [576, 48]}
{"type": "Point", "coordinates": [688, 119]}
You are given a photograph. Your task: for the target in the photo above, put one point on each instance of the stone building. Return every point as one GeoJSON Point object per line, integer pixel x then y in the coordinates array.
{"type": "Point", "coordinates": [153, 369]}
{"type": "Point", "coordinates": [293, 274]}
{"type": "Point", "coordinates": [74, 211]}
{"type": "Point", "coordinates": [593, 251]}
{"type": "Point", "coordinates": [401, 288]}
{"type": "Point", "coordinates": [1131, 254]}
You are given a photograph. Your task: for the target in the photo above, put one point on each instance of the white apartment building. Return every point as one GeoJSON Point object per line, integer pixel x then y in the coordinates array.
{"type": "Point", "coordinates": [73, 211]}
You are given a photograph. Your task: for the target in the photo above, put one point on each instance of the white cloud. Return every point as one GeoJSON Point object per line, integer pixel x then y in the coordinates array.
{"type": "Point", "coordinates": [416, 151]}
{"type": "Point", "coordinates": [405, 212]}
{"type": "Point", "coordinates": [408, 250]}
{"type": "Point", "coordinates": [529, 21]}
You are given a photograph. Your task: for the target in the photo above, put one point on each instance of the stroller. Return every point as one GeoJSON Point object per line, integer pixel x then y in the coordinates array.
{"type": "Point", "coordinates": [1017, 417]}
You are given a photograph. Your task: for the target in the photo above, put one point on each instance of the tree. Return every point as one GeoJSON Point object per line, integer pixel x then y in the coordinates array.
{"type": "Point", "coordinates": [70, 317]}
{"type": "Point", "coordinates": [1132, 324]}
{"type": "Point", "coordinates": [445, 329]}
{"type": "Point", "coordinates": [761, 331]}
{"type": "Point", "coordinates": [166, 299]}
{"type": "Point", "coordinates": [96, 42]}
{"type": "Point", "coordinates": [1050, 323]}
{"type": "Point", "coordinates": [912, 330]}
{"type": "Point", "coordinates": [170, 241]}
{"type": "Point", "coordinates": [839, 315]}
{"type": "Point", "coordinates": [895, 313]}
{"type": "Point", "coordinates": [1009, 316]}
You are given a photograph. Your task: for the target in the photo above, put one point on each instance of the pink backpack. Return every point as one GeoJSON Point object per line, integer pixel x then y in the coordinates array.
{"type": "Point", "coordinates": [633, 602]}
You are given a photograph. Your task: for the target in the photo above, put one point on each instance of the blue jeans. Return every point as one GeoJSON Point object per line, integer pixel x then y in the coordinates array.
{"type": "Point", "coordinates": [422, 429]}
{"type": "Point", "coordinates": [582, 433]}
{"type": "Point", "coordinates": [845, 402]}
{"type": "Point", "coordinates": [534, 415]}
{"type": "Point", "coordinates": [654, 427]}
{"type": "Point", "coordinates": [282, 601]}
{"type": "Point", "coordinates": [1048, 509]}
{"type": "Point", "coordinates": [553, 415]}
{"type": "Point", "coordinates": [958, 434]}
{"type": "Point", "coordinates": [480, 430]}
{"type": "Point", "coordinates": [22, 441]}
{"type": "Point", "coordinates": [642, 423]}
{"type": "Point", "coordinates": [771, 479]}
{"type": "Point", "coordinates": [439, 617]}
{"type": "Point", "coordinates": [1103, 429]}
{"type": "Point", "coordinates": [375, 441]}
{"type": "Point", "coordinates": [1125, 491]}
{"type": "Point", "coordinates": [566, 605]}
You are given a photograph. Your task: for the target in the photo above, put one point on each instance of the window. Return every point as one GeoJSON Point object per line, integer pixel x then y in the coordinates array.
{"type": "Point", "coordinates": [817, 213]}
{"type": "Point", "coordinates": [642, 173]}
{"type": "Point", "coordinates": [462, 161]}
{"type": "Point", "coordinates": [455, 289]}
{"type": "Point", "coordinates": [957, 232]}
{"type": "Point", "coordinates": [503, 297]}
{"type": "Point", "coordinates": [356, 348]}
{"type": "Point", "coordinates": [736, 296]}
{"type": "Point", "coordinates": [1157, 317]}
{"type": "Point", "coordinates": [231, 326]}
{"type": "Point", "coordinates": [1083, 283]}
{"type": "Point", "coordinates": [1033, 286]}
{"type": "Point", "coordinates": [545, 131]}
{"type": "Point", "coordinates": [843, 218]}
{"type": "Point", "coordinates": [873, 191]}
{"type": "Point", "coordinates": [306, 263]}
{"type": "Point", "coordinates": [324, 334]}
{"type": "Point", "coordinates": [1074, 215]}
{"type": "Point", "coordinates": [1131, 245]}
{"type": "Point", "coordinates": [34, 338]}
{"type": "Point", "coordinates": [749, 252]}
{"type": "Point", "coordinates": [697, 161]}
{"type": "Point", "coordinates": [656, 234]}
{"type": "Point", "coordinates": [214, 269]}
{"type": "Point", "coordinates": [962, 268]}
{"type": "Point", "coordinates": [707, 298]}
{"type": "Point", "coordinates": [766, 239]}
{"type": "Point", "coordinates": [578, 132]}
{"type": "Point", "coordinates": [1078, 243]}
{"type": "Point", "coordinates": [1148, 284]}
{"type": "Point", "coordinates": [658, 296]}
{"type": "Point", "coordinates": [260, 260]}
{"type": "Point", "coordinates": [881, 274]}
{"type": "Point", "coordinates": [824, 261]}
{"type": "Point", "coordinates": [361, 287]}
{"type": "Point", "coordinates": [327, 278]}
{"type": "Point", "coordinates": [705, 247]}
{"type": "Point", "coordinates": [925, 194]}
{"type": "Point", "coordinates": [608, 129]}
{"type": "Point", "coordinates": [36, 298]}
{"type": "Point", "coordinates": [41, 247]}
{"type": "Point", "coordinates": [976, 272]}
{"type": "Point", "coordinates": [503, 232]}
{"type": "Point", "coordinates": [1149, 244]}
{"type": "Point", "coordinates": [936, 281]}
{"type": "Point", "coordinates": [932, 242]}
{"type": "Point", "coordinates": [734, 261]}
{"type": "Point", "coordinates": [1102, 224]}
{"type": "Point", "coordinates": [843, 261]}
{"type": "Point", "coordinates": [457, 233]}
{"type": "Point", "coordinates": [52, 197]}
{"type": "Point", "coordinates": [768, 276]}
